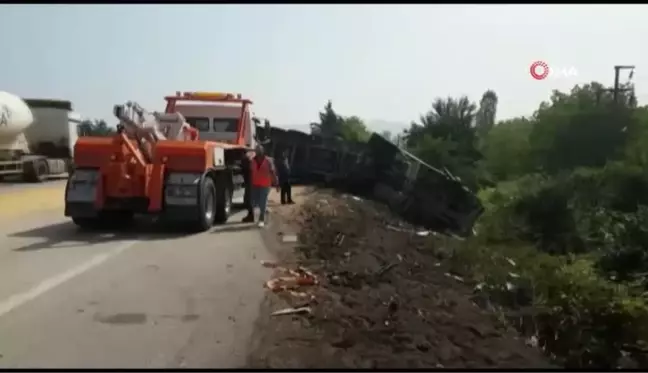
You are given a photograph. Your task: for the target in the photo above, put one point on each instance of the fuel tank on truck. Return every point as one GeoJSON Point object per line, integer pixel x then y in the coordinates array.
{"type": "Point", "coordinates": [15, 118]}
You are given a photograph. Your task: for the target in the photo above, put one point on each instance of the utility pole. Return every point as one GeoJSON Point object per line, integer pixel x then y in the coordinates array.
{"type": "Point", "coordinates": [617, 85]}
{"type": "Point", "coordinates": [617, 70]}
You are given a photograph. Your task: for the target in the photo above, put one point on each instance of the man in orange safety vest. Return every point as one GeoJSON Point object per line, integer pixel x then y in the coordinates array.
{"type": "Point", "coordinates": [262, 177]}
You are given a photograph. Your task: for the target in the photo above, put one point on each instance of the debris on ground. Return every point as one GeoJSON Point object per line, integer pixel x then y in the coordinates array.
{"type": "Point", "coordinates": [292, 311]}
{"type": "Point", "coordinates": [269, 264]}
{"type": "Point", "coordinates": [419, 232]}
{"type": "Point", "coordinates": [293, 279]}
{"type": "Point", "coordinates": [384, 298]}
{"type": "Point", "coordinates": [289, 238]}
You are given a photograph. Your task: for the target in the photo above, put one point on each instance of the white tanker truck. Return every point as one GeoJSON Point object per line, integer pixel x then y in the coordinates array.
{"type": "Point", "coordinates": [37, 137]}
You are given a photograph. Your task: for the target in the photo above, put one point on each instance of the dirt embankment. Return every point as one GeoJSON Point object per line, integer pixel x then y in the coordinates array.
{"type": "Point", "coordinates": [383, 299]}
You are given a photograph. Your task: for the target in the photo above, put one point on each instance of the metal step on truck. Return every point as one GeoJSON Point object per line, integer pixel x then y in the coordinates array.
{"type": "Point", "coordinates": [37, 137]}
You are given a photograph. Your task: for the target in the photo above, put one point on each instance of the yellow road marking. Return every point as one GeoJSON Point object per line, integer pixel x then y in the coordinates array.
{"type": "Point", "coordinates": [16, 203]}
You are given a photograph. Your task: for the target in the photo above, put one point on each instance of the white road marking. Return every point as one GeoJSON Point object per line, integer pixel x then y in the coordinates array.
{"type": "Point", "coordinates": [18, 300]}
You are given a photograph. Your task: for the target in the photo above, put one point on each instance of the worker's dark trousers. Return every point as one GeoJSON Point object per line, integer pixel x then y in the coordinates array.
{"type": "Point", "coordinates": [286, 192]}
{"type": "Point", "coordinates": [247, 200]}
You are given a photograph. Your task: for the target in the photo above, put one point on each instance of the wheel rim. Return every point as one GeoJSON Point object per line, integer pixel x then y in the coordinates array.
{"type": "Point", "coordinates": [209, 205]}
{"type": "Point", "coordinates": [41, 170]}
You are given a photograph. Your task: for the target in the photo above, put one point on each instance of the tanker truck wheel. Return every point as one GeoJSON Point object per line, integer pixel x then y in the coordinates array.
{"type": "Point", "coordinates": [36, 171]}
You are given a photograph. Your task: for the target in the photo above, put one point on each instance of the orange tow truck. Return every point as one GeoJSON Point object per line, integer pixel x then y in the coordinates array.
{"type": "Point", "coordinates": [182, 165]}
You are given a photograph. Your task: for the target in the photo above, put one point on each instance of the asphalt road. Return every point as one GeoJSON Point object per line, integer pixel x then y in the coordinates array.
{"type": "Point", "coordinates": [145, 299]}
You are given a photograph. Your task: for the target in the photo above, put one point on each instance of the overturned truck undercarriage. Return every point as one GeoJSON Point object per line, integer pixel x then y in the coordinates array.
{"type": "Point", "coordinates": [379, 169]}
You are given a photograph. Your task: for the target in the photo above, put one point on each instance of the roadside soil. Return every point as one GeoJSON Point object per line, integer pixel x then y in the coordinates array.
{"type": "Point", "coordinates": [383, 299]}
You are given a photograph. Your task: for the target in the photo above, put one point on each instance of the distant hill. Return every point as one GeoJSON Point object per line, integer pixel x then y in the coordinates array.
{"type": "Point", "coordinates": [298, 127]}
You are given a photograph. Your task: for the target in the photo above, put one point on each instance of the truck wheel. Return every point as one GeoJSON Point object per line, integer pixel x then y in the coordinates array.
{"type": "Point", "coordinates": [206, 204]}
{"type": "Point", "coordinates": [223, 202]}
{"type": "Point", "coordinates": [36, 171]}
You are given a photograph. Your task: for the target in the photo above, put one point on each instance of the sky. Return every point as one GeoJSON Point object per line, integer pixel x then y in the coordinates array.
{"type": "Point", "coordinates": [383, 63]}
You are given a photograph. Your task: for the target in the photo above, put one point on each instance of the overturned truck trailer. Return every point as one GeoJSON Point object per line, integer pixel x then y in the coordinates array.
{"type": "Point", "coordinates": [420, 193]}
{"type": "Point", "coordinates": [312, 157]}
{"type": "Point", "coordinates": [415, 190]}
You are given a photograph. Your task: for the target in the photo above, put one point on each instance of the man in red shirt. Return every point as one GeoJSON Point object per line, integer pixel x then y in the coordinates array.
{"type": "Point", "coordinates": [262, 177]}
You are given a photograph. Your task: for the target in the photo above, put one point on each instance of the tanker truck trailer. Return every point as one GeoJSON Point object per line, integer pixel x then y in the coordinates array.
{"type": "Point", "coordinates": [37, 137]}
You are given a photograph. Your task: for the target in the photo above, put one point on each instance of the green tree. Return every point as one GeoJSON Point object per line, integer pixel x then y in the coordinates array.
{"type": "Point", "coordinates": [85, 128]}
{"type": "Point", "coordinates": [445, 137]}
{"type": "Point", "coordinates": [485, 118]}
{"type": "Point", "coordinates": [583, 128]}
{"type": "Point", "coordinates": [96, 127]}
{"type": "Point", "coordinates": [333, 125]}
{"type": "Point", "coordinates": [636, 152]}
{"type": "Point", "coordinates": [506, 149]}
{"type": "Point", "coordinates": [450, 119]}
{"type": "Point", "coordinates": [330, 124]}
{"type": "Point", "coordinates": [102, 129]}
{"type": "Point", "coordinates": [354, 129]}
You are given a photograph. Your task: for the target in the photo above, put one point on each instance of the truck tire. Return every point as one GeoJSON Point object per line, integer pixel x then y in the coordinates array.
{"type": "Point", "coordinates": [206, 204]}
{"type": "Point", "coordinates": [70, 167]}
{"type": "Point", "coordinates": [223, 200]}
{"type": "Point", "coordinates": [36, 171]}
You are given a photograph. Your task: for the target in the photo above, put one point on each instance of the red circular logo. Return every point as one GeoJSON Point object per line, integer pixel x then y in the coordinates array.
{"type": "Point", "coordinates": [539, 70]}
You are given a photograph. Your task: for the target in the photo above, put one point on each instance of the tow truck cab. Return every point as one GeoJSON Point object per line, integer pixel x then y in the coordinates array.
{"type": "Point", "coordinates": [220, 117]}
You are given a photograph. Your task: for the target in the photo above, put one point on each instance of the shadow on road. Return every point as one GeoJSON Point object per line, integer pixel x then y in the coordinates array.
{"type": "Point", "coordinates": [67, 234]}
{"type": "Point", "coordinates": [55, 235]}
{"type": "Point", "coordinates": [233, 227]}
{"type": "Point", "coordinates": [18, 180]}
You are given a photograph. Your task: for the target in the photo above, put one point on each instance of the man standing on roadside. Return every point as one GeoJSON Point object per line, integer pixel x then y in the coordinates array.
{"type": "Point", "coordinates": [283, 171]}
{"type": "Point", "coordinates": [263, 177]}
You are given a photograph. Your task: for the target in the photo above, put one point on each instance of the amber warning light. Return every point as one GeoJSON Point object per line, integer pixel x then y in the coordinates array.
{"type": "Point", "coordinates": [209, 95]}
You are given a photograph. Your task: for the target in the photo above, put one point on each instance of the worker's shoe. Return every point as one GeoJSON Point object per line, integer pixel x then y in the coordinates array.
{"type": "Point", "coordinates": [248, 219]}
{"type": "Point", "coordinates": [261, 224]}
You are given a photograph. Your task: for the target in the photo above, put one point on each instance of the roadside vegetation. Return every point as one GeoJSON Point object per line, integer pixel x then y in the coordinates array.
{"type": "Point", "coordinates": [561, 250]}
{"type": "Point", "coordinates": [96, 127]}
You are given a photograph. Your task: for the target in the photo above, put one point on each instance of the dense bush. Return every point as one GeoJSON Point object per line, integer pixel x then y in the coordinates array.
{"type": "Point", "coordinates": [582, 212]}
{"type": "Point", "coordinates": [562, 303]}
{"type": "Point", "coordinates": [563, 243]}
